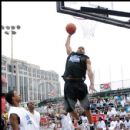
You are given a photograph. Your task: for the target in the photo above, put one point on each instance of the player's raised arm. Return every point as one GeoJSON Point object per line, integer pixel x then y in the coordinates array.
{"type": "Point", "coordinates": [67, 45]}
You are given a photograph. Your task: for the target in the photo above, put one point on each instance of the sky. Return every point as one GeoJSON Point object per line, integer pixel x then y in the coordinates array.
{"type": "Point", "coordinates": [42, 36]}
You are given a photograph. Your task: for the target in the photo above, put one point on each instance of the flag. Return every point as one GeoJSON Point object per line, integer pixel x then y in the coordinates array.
{"type": "Point", "coordinates": [105, 87]}
{"type": "Point", "coordinates": [52, 90]}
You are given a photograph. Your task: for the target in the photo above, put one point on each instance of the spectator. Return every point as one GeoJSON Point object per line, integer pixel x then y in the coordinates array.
{"type": "Point", "coordinates": [35, 115]}
{"type": "Point", "coordinates": [123, 102]}
{"type": "Point", "coordinates": [66, 121]}
{"type": "Point", "coordinates": [127, 108]}
{"type": "Point", "coordinates": [3, 123]}
{"type": "Point", "coordinates": [123, 112]}
{"type": "Point", "coordinates": [122, 127]}
{"type": "Point", "coordinates": [85, 122]}
{"type": "Point", "coordinates": [18, 116]}
{"type": "Point", "coordinates": [101, 124]}
{"type": "Point", "coordinates": [112, 123]}
{"type": "Point", "coordinates": [52, 125]}
{"type": "Point", "coordinates": [127, 122]}
{"type": "Point", "coordinates": [111, 112]}
{"type": "Point", "coordinates": [118, 122]}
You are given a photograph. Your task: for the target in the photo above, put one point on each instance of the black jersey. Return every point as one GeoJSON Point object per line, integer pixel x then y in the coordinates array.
{"type": "Point", "coordinates": [76, 65]}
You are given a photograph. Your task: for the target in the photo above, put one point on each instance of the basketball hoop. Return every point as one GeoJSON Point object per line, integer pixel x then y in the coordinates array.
{"type": "Point", "coordinates": [87, 26]}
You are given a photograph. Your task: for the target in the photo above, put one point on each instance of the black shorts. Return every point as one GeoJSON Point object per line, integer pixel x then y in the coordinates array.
{"type": "Point", "coordinates": [69, 104]}
{"type": "Point", "coordinates": [73, 91]}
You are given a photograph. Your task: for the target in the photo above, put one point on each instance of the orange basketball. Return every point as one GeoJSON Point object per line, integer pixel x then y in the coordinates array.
{"type": "Point", "coordinates": [70, 28]}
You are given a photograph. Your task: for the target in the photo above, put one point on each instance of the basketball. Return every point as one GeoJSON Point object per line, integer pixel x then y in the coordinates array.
{"type": "Point", "coordinates": [70, 28]}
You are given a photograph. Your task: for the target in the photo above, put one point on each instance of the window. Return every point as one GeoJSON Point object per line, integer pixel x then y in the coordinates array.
{"type": "Point", "coordinates": [25, 89]}
{"type": "Point", "coordinates": [21, 87]}
{"type": "Point", "coordinates": [9, 68]}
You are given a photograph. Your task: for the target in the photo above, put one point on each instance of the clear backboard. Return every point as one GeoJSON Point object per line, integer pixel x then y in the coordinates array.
{"type": "Point", "coordinates": [114, 13]}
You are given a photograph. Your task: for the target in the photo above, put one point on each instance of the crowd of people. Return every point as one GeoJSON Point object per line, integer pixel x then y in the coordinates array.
{"type": "Point", "coordinates": [111, 113]}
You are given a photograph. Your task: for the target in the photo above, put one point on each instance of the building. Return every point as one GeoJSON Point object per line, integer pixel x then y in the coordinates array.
{"type": "Point", "coordinates": [29, 80]}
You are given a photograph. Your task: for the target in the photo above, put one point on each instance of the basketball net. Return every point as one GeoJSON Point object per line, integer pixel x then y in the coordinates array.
{"type": "Point", "coordinates": [87, 26]}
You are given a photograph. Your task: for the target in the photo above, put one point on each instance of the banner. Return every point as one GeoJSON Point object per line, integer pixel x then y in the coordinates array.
{"type": "Point", "coordinates": [105, 87]}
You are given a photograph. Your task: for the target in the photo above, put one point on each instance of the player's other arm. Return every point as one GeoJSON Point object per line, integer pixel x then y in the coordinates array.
{"type": "Point", "coordinates": [90, 74]}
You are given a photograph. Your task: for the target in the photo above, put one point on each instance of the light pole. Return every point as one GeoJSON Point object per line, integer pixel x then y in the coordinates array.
{"type": "Point", "coordinates": [11, 30]}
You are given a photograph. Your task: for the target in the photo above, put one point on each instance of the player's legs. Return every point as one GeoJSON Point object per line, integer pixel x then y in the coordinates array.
{"type": "Point", "coordinates": [86, 105]}
{"type": "Point", "coordinates": [70, 106]}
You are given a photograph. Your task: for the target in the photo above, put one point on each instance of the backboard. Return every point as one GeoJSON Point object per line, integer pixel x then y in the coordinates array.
{"type": "Point", "coordinates": [114, 13]}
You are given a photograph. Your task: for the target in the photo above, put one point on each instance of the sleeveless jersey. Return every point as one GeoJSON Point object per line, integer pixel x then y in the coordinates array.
{"type": "Point", "coordinates": [26, 123]}
{"type": "Point", "coordinates": [76, 65]}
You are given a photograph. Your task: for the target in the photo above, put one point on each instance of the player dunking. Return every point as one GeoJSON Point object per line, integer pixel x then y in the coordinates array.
{"type": "Point", "coordinates": [77, 65]}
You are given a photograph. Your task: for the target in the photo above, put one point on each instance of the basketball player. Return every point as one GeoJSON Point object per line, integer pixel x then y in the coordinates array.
{"type": "Point", "coordinates": [77, 65]}
{"type": "Point", "coordinates": [18, 116]}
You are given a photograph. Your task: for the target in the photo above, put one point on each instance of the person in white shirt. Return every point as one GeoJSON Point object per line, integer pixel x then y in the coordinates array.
{"type": "Point", "coordinates": [85, 122]}
{"type": "Point", "coordinates": [118, 122]}
{"type": "Point", "coordinates": [101, 124]}
{"type": "Point", "coordinates": [52, 125]}
{"type": "Point", "coordinates": [35, 115]}
{"type": "Point", "coordinates": [122, 127]}
{"type": "Point", "coordinates": [18, 116]}
{"type": "Point", "coordinates": [109, 113]}
{"type": "Point", "coordinates": [113, 123]}
{"type": "Point", "coordinates": [66, 121]}
{"type": "Point", "coordinates": [114, 112]}
{"type": "Point", "coordinates": [127, 122]}
{"type": "Point", "coordinates": [123, 112]}
{"type": "Point", "coordinates": [123, 102]}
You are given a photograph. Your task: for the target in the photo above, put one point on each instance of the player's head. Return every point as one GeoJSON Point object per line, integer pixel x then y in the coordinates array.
{"type": "Point", "coordinates": [12, 97]}
{"type": "Point", "coordinates": [31, 105]}
{"type": "Point", "coordinates": [81, 50]}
